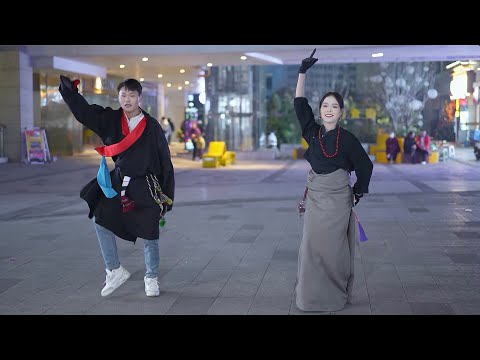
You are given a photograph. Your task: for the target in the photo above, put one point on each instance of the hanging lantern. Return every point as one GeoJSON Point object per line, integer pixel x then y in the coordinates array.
{"type": "Point", "coordinates": [432, 93]}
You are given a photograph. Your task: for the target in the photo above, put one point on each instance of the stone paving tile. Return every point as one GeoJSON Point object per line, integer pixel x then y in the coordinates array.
{"type": "Point", "coordinates": [186, 305]}
{"type": "Point", "coordinates": [230, 306]}
{"type": "Point", "coordinates": [431, 308]}
{"type": "Point", "coordinates": [392, 308]}
{"type": "Point", "coordinates": [268, 305]}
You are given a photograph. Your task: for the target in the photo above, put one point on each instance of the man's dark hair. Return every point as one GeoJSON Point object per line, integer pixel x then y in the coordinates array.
{"type": "Point", "coordinates": [130, 84]}
{"type": "Point", "coordinates": [337, 97]}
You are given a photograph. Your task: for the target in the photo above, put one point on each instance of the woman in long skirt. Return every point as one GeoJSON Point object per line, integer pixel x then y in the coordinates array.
{"type": "Point", "coordinates": [326, 255]}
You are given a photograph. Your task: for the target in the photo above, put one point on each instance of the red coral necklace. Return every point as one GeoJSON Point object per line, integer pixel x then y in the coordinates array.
{"type": "Point", "coordinates": [321, 142]}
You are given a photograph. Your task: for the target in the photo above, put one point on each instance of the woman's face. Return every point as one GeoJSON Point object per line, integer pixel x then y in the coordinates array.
{"type": "Point", "coordinates": [330, 111]}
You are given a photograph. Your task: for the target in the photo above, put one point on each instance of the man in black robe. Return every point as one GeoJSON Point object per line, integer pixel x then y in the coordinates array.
{"type": "Point", "coordinates": [131, 200]}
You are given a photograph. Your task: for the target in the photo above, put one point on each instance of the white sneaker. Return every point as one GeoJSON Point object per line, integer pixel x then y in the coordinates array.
{"type": "Point", "coordinates": [424, 162]}
{"type": "Point", "coordinates": [114, 279]}
{"type": "Point", "coordinates": [151, 286]}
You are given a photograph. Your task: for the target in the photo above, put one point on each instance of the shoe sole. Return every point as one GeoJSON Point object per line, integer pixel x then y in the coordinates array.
{"type": "Point", "coordinates": [111, 291]}
{"type": "Point", "coordinates": [152, 294]}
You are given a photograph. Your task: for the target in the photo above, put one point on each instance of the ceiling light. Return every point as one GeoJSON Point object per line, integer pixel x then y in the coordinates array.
{"type": "Point", "coordinates": [455, 63]}
{"type": "Point", "coordinates": [182, 71]}
{"type": "Point", "coordinates": [209, 64]}
{"type": "Point", "coordinates": [265, 57]}
{"type": "Point", "coordinates": [160, 76]}
{"type": "Point", "coordinates": [179, 88]}
{"type": "Point", "coordinates": [377, 55]}
{"type": "Point", "coordinates": [145, 59]}
{"type": "Point", "coordinates": [169, 85]}
{"type": "Point", "coordinates": [187, 82]}
{"type": "Point", "coordinates": [243, 57]}
{"type": "Point", "coordinates": [122, 66]}
{"type": "Point", "coordinates": [142, 79]}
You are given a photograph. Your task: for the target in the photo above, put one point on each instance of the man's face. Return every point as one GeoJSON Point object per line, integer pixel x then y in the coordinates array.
{"type": "Point", "coordinates": [129, 100]}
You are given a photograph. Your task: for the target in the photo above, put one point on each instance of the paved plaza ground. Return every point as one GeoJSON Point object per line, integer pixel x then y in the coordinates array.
{"type": "Point", "coordinates": [230, 245]}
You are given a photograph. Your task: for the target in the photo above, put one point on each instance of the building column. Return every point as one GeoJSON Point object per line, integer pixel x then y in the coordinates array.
{"type": "Point", "coordinates": [176, 107]}
{"type": "Point", "coordinates": [16, 101]}
{"type": "Point", "coordinates": [160, 101]}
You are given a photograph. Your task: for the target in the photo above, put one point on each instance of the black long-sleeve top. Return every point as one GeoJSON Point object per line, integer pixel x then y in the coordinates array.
{"type": "Point", "coordinates": [407, 144]}
{"type": "Point", "coordinates": [351, 154]}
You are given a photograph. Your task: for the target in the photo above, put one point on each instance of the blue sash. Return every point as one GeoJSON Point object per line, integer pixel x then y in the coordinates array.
{"type": "Point", "coordinates": [103, 178]}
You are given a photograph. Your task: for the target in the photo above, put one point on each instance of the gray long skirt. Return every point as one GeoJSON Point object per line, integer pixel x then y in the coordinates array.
{"type": "Point", "coordinates": [326, 255]}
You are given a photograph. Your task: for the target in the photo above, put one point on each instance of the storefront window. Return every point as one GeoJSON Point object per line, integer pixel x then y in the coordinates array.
{"type": "Point", "coordinates": [65, 134]}
{"type": "Point", "coordinates": [232, 117]}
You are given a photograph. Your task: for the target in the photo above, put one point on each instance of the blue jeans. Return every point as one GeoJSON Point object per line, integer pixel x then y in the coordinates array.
{"type": "Point", "coordinates": [108, 246]}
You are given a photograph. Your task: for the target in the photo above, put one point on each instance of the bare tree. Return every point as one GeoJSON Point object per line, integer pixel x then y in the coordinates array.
{"type": "Point", "coordinates": [403, 89]}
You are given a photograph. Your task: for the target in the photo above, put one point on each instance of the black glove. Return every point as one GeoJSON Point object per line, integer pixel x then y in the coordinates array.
{"type": "Point", "coordinates": [307, 63]}
{"type": "Point", "coordinates": [357, 198]}
{"type": "Point", "coordinates": [67, 84]}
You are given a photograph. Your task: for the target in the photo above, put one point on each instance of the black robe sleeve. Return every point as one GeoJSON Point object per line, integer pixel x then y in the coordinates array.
{"type": "Point", "coordinates": [167, 176]}
{"type": "Point", "coordinates": [362, 165]}
{"type": "Point", "coordinates": [92, 116]}
{"type": "Point", "coordinates": [305, 116]}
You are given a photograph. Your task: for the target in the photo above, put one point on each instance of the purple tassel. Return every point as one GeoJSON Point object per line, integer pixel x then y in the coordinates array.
{"type": "Point", "coordinates": [362, 237]}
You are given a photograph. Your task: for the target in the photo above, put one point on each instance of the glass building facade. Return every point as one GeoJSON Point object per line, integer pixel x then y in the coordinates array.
{"type": "Point", "coordinates": [232, 106]}
{"type": "Point", "coordinates": [236, 100]}
{"type": "Point", "coordinates": [237, 97]}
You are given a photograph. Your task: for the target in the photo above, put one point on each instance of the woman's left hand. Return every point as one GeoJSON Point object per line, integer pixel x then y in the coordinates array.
{"type": "Point", "coordinates": [356, 198]}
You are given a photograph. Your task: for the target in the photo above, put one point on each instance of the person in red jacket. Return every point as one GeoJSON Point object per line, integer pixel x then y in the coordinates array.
{"type": "Point", "coordinates": [423, 145]}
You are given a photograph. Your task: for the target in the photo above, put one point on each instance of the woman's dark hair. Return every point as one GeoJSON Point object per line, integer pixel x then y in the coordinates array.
{"type": "Point", "coordinates": [132, 85]}
{"type": "Point", "coordinates": [410, 133]}
{"type": "Point", "coordinates": [337, 97]}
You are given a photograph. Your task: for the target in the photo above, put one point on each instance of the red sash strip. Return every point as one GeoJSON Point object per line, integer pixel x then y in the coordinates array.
{"type": "Point", "coordinates": [126, 142]}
